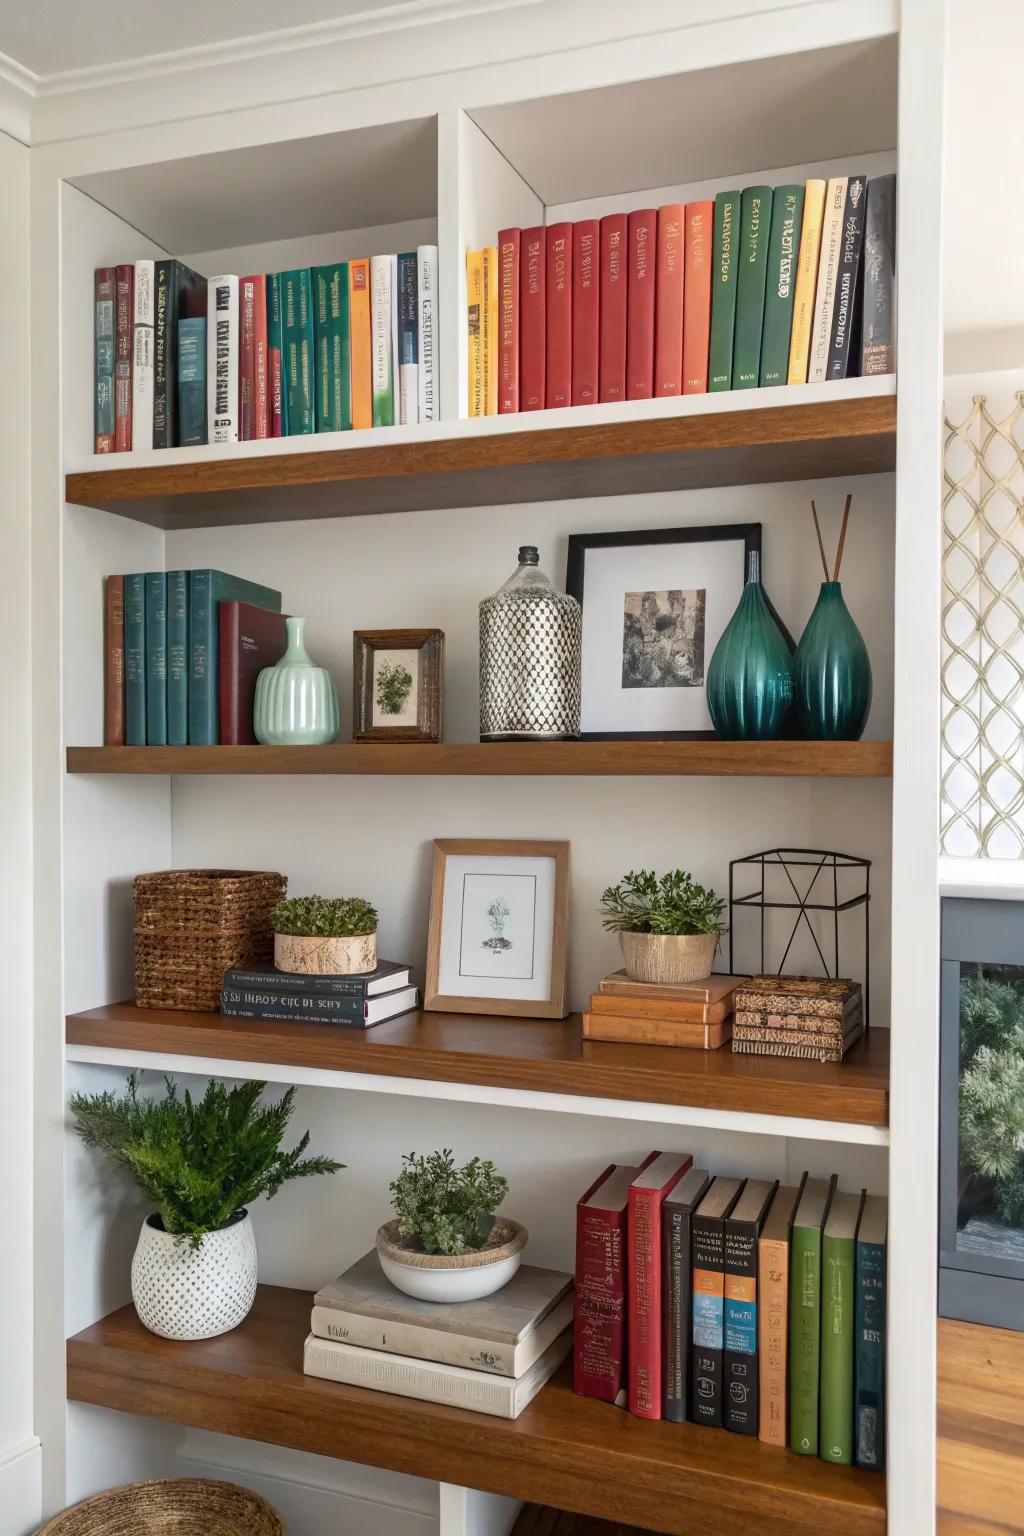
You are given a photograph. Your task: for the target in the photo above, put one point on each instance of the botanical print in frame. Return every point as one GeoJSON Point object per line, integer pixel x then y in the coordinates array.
{"type": "Point", "coordinates": [498, 919]}
{"type": "Point", "coordinates": [396, 684]}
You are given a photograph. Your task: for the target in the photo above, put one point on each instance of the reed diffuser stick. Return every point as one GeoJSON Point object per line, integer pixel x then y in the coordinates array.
{"type": "Point", "coordinates": [821, 546]}
{"type": "Point", "coordinates": [842, 536]}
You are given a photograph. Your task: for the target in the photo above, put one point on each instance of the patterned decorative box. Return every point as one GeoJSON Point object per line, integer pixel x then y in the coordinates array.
{"type": "Point", "coordinates": [815, 1018]}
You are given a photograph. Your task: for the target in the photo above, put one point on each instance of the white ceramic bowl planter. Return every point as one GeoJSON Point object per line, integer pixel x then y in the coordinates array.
{"type": "Point", "coordinates": [452, 1277]}
{"type": "Point", "coordinates": [181, 1292]}
{"type": "Point", "coordinates": [668, 959]}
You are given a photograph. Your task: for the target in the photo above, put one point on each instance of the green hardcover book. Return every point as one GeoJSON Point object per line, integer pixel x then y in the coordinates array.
{"type": "Point", "coordinates": [156, 659]}
{"type": "Point", "coordinates": [333, 348]}
{"type": "Point", "coordinates": [135, 660]}
{"type": "Point", "coordinates": [206, 591]}
{"type": "Point", "coordinates": [838, 1303]}
{"type": "Point", "coordinates": [723, 290]}
{"type": "Point", "coordinates": [297, 358]}
{"type": "Point", "coordinates": [805, 1314]}
{"type": "Point", "coordinates": [177, 658]}
{"type": "Point", "coordinates": [275, 357]}
{"type": "Point", "coordinates": [752, 268]}
{"type": "Point", "coordinates": [780, 284]}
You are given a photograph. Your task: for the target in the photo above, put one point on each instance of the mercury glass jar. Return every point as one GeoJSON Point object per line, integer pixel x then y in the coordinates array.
{"type": "Point", "coordinates": [530, 637]}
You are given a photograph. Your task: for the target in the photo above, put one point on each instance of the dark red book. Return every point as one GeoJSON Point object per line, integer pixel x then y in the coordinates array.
{"type": "Point", "coordinates": [250, 639]}
{"type": "Point", "coordinates": [642, 270]}
{"type": "Point", "coordinates": [532, 319]}
{"type": "Point", "coordinates": [586, 310]}
{"type": "Point", "coordinates": [253, 382]}
{"type": "Point", "coordinates": [668, 303]}
{"type": "Point", "coordinates": [613, 284]}
{"type": "Point", "coordinates": [275, 389]}
{"type": "Point", "coordinates": [508, 320]}
{"type": "Point", "coordinates": [699, 221]}
{"type": "Point", "coordinates": [124, 316]}
{"type": "Point", "coordinates": [658, 1175]}
{"type": "Point", "coordinates": [113, 663]}
{"type": "Point", "coordinates": [558, 388]}
{"type": "Point", "coordinates": [599, 1309]}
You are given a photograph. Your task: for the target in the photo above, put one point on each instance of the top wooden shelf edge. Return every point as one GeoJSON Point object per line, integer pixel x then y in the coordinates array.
{"type": "Point", "coordinates": [617, 450]}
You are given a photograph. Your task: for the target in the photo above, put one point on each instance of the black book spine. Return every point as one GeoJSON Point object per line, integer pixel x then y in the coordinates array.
{"type": "Point", "coordinates": [739, 1363]}
{"type": "Point", "coordinates": [847, 285]}
{"type": "Point", "coordinates": [250, 1003]}
{"type": "Point", "coordinates": [289, 982]}
{"type": "Point", "coordinates": [878, 319]}
{"type": "Point", "coordinates": [676, 1307]}
{"type": "Point", "coordinates": [708, 1237]}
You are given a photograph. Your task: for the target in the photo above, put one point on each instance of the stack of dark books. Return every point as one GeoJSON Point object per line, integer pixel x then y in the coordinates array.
{"type": "Point", "coordinates": [287, 997]}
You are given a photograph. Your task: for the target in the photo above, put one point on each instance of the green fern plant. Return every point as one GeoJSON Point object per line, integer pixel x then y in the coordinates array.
{"type": "Point", "coordinates": [675, 903]}
{"type": "Point", "coordinates": [394, 685]}
{"type": "Point", "coordinates": [444, 1208]}
{"type": "Point", "coordinates": [322, 917]}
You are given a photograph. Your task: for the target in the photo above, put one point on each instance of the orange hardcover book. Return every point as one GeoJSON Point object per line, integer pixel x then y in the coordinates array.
{"type": "Point", "coordinates": [773, 1316]}
{"type": "Point", "coordinates": [699, 224]}
{"type": "Point", "coordinates": [489, 328]}
{"type": "Point", "coordinates": [476, 402]}
{"type": "Point", "coordinates": [359, 327]}
{"type": "Point", "coordinates": [713, 989]}
{"type": "Point", "coordinates": [659, 1008]}
{"type": "Point", "coordinates": [668, 302]}
{"type": "Point", "coordinates": [630, 1031]}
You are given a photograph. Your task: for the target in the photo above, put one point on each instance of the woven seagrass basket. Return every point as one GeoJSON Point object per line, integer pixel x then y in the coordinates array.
{"type": "Point", "coordinates": [188, 1506]}
{"type": "Point", "coordinates": [192, 925]}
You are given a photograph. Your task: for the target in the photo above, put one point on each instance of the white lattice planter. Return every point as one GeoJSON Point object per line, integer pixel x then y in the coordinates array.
{"type": "Point", "coordinates": [185, 1293]}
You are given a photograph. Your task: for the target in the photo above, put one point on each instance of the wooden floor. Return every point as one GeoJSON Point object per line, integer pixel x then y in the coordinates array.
{"type": "Point", "coordinates": [981, 1430]}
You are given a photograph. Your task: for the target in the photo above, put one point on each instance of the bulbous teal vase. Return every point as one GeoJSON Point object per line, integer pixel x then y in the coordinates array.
{"type": "Point", "coordinates": [831, 672]}
{"type": "Point", "coordinates": [750, 679]}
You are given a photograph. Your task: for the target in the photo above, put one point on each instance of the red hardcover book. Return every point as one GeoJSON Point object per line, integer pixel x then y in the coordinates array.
{"type": "Point", "coordinates": [658, 1175]}
{"type": "Point", "coordinates": [586, 310]}
{"type": "Point", "coordinates": [599, 1308]}
{"type": "Point", "coordinates": [124, 310]}
{"type": "Point", "coordinates": [642, 268]}
{"type": "Point", "coordinates": [668, 305]}
{"type": "Point", "coordinates": [249, 639]}
{"type": "Point", "coordinates": [254, 398]}
{"type": "Point", "coordinates": [508, 320]}
{"type": "Point", "coordinates": [700, 222]}
{"type": "Point", "coordinates": [113, 663]}
{"type": "Point", "coordinates": [613, 284]}
{"type": "Point", "coordinates": [532, 319]}
{"type": "Point", "coordinates": [104, 291]}
{"type": "Point", "coordinates": [558, 388]}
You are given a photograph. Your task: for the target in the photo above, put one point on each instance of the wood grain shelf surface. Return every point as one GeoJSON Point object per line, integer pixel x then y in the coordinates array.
{"type": "Point", "coordinates": [981, 1430]}
{"type": "Point", "coordinates": [490, 467]}
{"type": "Point", "coordinates": [584, 1456]}
{"type": "Point", "coordinates": [809, 759]}
{"type": "Point", "coordinates": [543, 1055]}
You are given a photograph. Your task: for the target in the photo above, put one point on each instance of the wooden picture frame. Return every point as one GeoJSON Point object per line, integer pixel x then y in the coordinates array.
{"type": "Point", "coordinates": [417, 684]}
{"type": "Point", "coordinates": [539, 995]}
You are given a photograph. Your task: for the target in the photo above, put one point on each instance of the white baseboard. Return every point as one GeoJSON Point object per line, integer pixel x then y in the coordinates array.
{"type": "Point", "coordinates": [21, 1489]}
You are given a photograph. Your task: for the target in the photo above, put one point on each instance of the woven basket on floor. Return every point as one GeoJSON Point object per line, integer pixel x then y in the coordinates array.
{"type": "Point", "coordinates": [192, 925]}
{"type": "Point", "coordinates": [188, 1506]}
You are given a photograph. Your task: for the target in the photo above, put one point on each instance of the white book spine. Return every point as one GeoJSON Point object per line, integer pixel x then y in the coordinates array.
{"type": "Point", "coordinates": [222, 360]}
{"type": "Point", "coordinates": [380, 341]}
{"type": "Point", "coordinates": [828, 266]}
{"type": "Point", "coordinates": [426, 274]}
{"type": "Point", "coordinates": [395, 374]}
{"type": "Point", "coordinates": [143, 377]}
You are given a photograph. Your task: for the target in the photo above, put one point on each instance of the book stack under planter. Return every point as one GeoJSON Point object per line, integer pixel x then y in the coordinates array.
{"type": "Point", "coordinates": [286, 997]}
{"type": "Point", "coordinates": [698, 1014]}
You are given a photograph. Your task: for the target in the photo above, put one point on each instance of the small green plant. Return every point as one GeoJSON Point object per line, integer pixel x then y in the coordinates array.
{"type": "Point", "coordinates": [322, 917]}
{"type": "Point", "coordinates": [394, 685]}
{"type": "Point", "coordinates": [198, 1160]}
{"type": "Point", "coordinates": [675, 903]}
{"type": "Point", "coordinates": [444, 1208]}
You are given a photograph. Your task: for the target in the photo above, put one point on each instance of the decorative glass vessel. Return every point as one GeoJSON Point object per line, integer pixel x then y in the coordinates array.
{"type": "Point", "coordinates": [296, 703]}
{"type": "Point", "coordinates": [750, 679]}
{"type": "Point", "coordinates": [831, 672]}
{"type": "Point", "coordinates": [530, 639]}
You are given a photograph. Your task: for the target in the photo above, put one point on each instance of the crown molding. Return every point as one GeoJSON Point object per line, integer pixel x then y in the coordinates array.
{"type": "Point", "coordinates": [18, 88]}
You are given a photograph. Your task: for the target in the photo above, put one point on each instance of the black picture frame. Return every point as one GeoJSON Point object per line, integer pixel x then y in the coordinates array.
{"type": "Point", "coordinates": [575, 582]}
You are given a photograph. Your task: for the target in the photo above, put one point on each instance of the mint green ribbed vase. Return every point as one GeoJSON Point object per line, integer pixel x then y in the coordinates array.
{"type": "Point", "coordinates": [296, 702]}
{"type": "Point", "coordinates": [831, 672]}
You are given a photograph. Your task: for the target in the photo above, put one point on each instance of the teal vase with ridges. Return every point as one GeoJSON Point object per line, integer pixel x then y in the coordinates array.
{"type": "Point", "coordinates": [831, 672]}
{"type": "Point", "coordinates": [296, 702]}
{"type": "Point", "coordinates": [750, 679]}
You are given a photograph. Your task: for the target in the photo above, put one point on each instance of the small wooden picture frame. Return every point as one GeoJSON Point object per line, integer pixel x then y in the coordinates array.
{"type": "Point", "coordinates": [499, 914]}
{"type": "Point", "coordinates": [397, 684]}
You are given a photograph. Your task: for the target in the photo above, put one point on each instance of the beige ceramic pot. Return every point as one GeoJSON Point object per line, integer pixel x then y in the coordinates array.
{"type": "Point", "coordinates": [326, 957]}
{"type": "Point", "coordinates": [668, 959]}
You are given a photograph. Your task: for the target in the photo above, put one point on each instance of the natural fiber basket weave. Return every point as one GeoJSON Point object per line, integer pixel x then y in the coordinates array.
{"type": "Point", "coordinates": [188, 1506]}
{"type": "Point", "coordinates": [192, 925]}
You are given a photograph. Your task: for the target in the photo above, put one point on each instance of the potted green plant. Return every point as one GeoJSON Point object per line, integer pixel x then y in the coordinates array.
{"type": "Point", "coordinates": [669, 927]}
{"type": "Point", "coordinates": [202, 1163]}
{"type": "Point", "coordinates": [445, 1242]}
{"type": "Point", "coordinates": [325, 936]}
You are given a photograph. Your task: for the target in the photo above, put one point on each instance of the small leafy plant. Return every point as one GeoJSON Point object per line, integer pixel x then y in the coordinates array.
{"type": "Point", "coordinates": [394, 685]}
{"type": "Point", "coordinates": [322, 917]}
{"type": "Point", "coordinates": [675, 903]}
{"type": "Point", "coordinates": [198, 1161]}
{"type": "Point", "coordinates": [447, 1209]}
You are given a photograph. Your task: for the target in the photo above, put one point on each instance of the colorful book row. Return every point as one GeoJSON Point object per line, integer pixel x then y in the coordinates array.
{"type": "Point", "coordinates": [768, 286]}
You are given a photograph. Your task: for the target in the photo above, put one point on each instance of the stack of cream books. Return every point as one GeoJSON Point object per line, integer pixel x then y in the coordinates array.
{"type": "Point", "coordinates": [492, 1355]}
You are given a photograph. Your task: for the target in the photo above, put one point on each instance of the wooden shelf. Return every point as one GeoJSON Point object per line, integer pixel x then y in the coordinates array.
{"type": "Point", "coordinates": [545, 1056]}
{"type": "Point", "coordinates": [493, 463]}
{"type": "Point", "coordinates": [809, 759]}
{"type": "Point", "coordinates": [579, 1454]}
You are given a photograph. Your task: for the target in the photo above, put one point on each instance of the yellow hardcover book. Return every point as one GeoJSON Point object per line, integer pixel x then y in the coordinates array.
{"type": "Point", "coordinates": [806, 282]}
{"type": "Point", "coordinates": [474, 331]}
{"type": "Point", "coordinates": [489, 331]}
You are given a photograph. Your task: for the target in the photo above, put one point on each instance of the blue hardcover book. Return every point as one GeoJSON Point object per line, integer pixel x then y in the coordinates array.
{"type": "Point", "coordinates": [207, 590]}
{"type": "Point", "coordinates": [135, 660]}
{"type": "Point", "coordinates": [707, 1240]}
{"type": "Point", "coordinates": [177, 658]}
{"type": "Point", "coordinates": [156, 659]}
{"type": "Point", "coordinates": [298, 365]}
{"type": "Point", "coordinates": [869, 1336]}
{"type": "Point", "coordinates": [192, 381]}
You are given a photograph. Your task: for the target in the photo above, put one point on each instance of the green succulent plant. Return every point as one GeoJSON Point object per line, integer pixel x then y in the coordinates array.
{"type": "Point", "coordinates": [322, 917]}
{"type": "Point", "coordinates": [446, 1209]}
{"type": "Point", "coordinates": [675, 904]}
{"type": "Point", "coordinates": [394, 685]}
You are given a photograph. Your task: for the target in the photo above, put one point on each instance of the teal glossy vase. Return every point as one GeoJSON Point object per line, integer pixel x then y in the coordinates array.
{"type": "Point", "coordinates": [296, 702]}
{"type": "Point", "coordinates": [750, 679]}
{"type": "Point", "coordinates": [831, 672]}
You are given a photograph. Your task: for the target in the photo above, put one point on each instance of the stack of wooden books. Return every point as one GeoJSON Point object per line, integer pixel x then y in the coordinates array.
{"type": "Point", "coordinates": [698, 1014]}
{"type": "Point", "coordinates": [492, 1355]}
{"type": "Point", "coordinates": [803, 1016]}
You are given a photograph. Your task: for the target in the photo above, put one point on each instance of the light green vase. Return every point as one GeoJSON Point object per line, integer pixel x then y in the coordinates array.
{"type": "Point", "coordinates": [296, 702]}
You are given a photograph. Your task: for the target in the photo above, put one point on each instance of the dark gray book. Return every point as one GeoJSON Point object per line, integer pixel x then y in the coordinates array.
{"type": "Point", "coordinates": [174, 283]}
{"type": "Point", "coordinates": [677, 1289]}
{"type": "Point", "coordinates": [878, 317]}
{"type": "Point", "coordinates": [847, 280]}
{"type": "Point", "coordinates": [739, 1359]}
